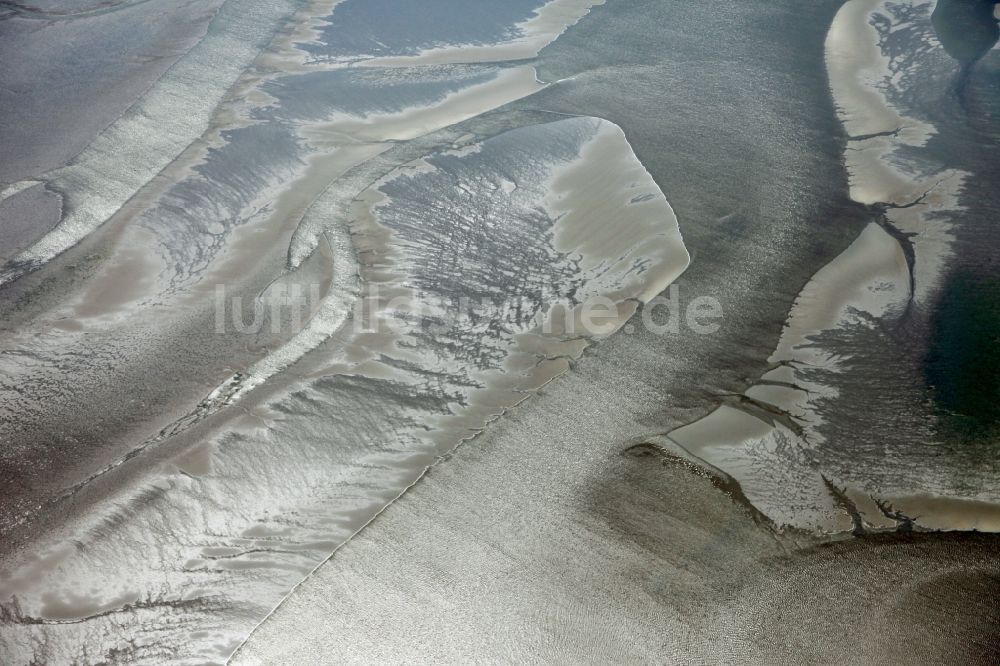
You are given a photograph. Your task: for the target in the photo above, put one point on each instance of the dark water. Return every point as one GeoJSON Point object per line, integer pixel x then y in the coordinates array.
{"type": "Point", "coordinates": [963, 364]}
{"type": "Point", "coordinates": [398, 27]}
{"type": "Point", "coordinates": [967, 29]}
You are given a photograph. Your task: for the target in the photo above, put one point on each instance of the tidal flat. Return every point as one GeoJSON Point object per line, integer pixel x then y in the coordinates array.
{"type": "Point", "coordinates": [383, 331]}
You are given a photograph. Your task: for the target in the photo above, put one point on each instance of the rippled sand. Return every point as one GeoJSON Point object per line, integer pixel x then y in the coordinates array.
{"type": "Point", "coordinates": [442, 454]}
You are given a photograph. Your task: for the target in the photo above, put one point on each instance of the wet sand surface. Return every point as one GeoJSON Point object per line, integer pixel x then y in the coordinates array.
{"type": "Point", "coordinates": [210, 213]}
{"type": "Point", "coordinates": [593, 545]}
{"type": "Point", "coordinates": [26, 216]}
{"type": "Point", "coordinates": [432, 483]}
{"type": "Point", "coordinates": [87, 87]}
{"type": "Point", "coordinates": [634, 560]}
